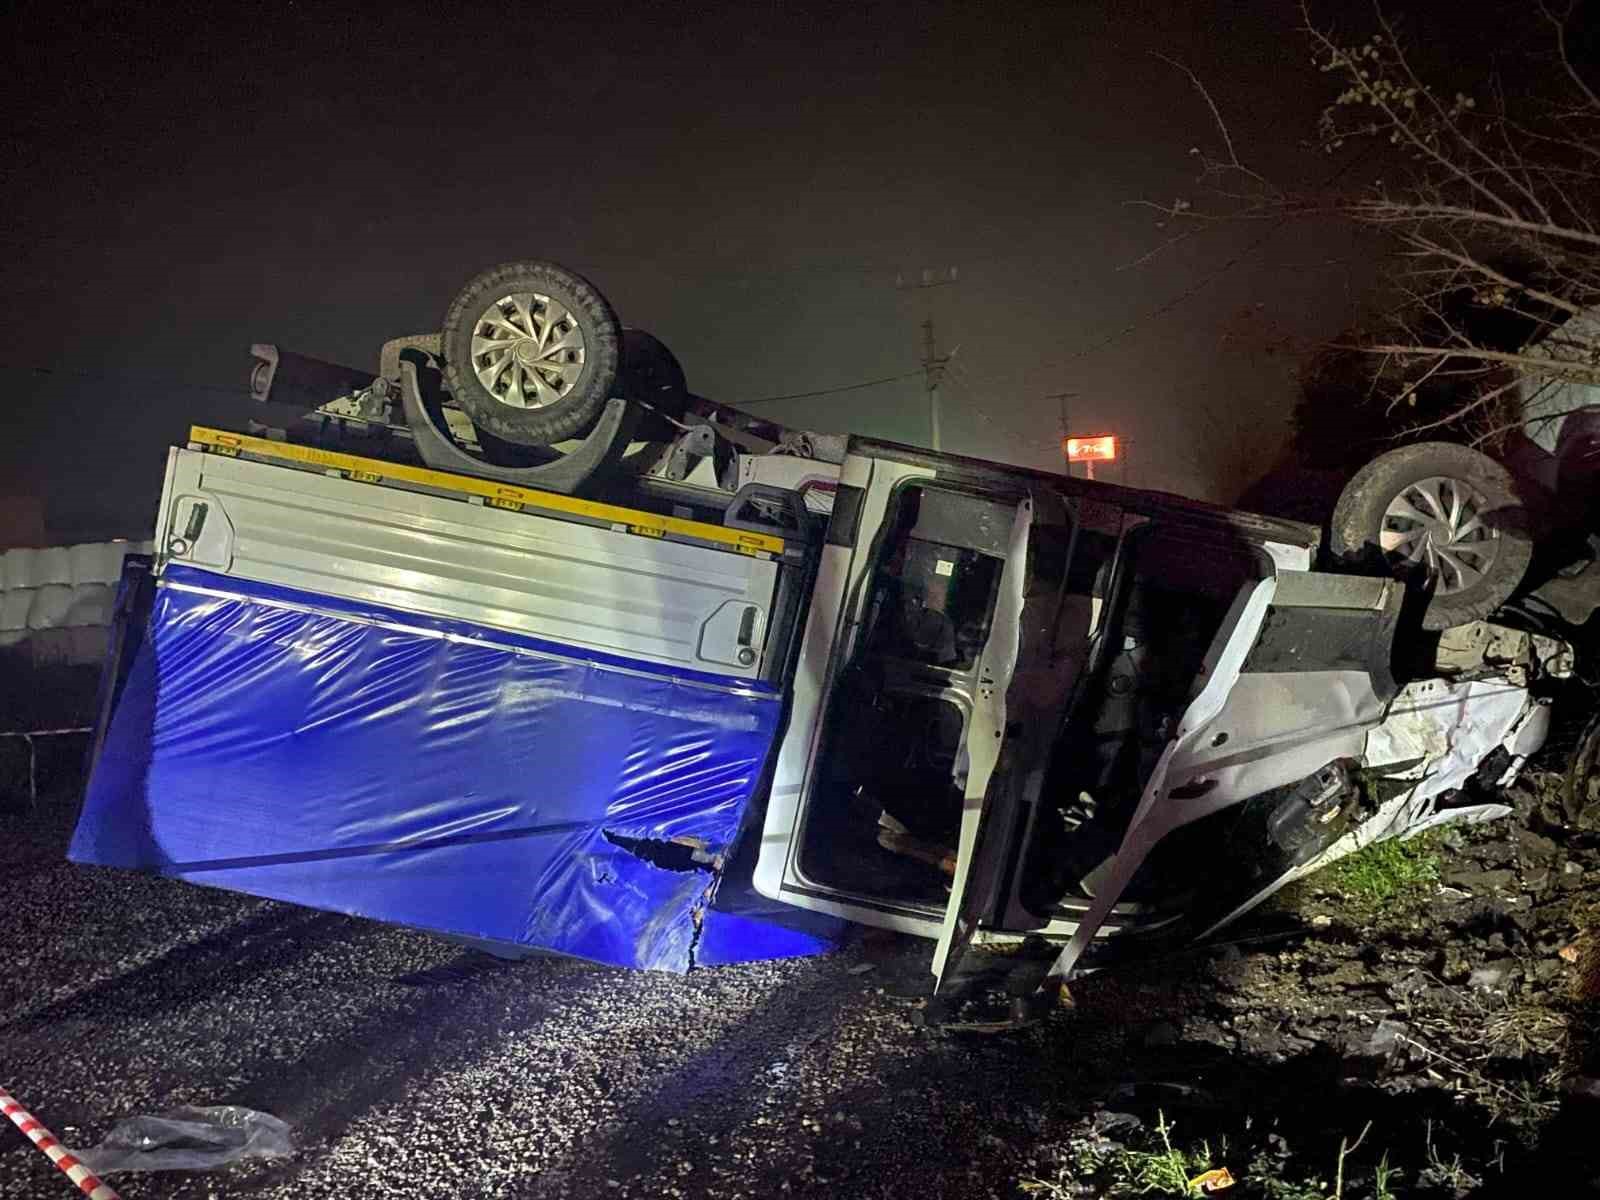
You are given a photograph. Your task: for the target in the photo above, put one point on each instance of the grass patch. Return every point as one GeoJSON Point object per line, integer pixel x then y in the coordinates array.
{"type": "Point", "coordinates": [1092, 1165]}
{"type": "Point", "coordinates": [1123, 1171]}
{"type": "Point", "coordinates": [1165, 1172]}
{"type": "Point", "coordinates": [1385, 875]}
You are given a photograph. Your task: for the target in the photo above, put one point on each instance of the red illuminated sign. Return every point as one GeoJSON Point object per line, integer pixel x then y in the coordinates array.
{"type": "Point", "coordinates": [1090, 449]}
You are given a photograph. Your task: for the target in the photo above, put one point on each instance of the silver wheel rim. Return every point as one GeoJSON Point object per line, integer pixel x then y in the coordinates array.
{"type": "Point", "coordinates": [527, 350]}
{"type": "Point", "coordinates": [1436, 526]}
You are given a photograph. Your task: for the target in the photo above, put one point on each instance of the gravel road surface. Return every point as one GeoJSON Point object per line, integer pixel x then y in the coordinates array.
{"type": "Point", "coordinates": [1459, 1024]}
{"type": "Point", "coordinates": [129, 994]}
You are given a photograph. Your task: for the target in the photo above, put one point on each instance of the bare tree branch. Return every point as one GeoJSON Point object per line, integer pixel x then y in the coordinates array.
{"type": "Point", "coordinates": [1388, 212]}
{"type": "Point", "coordinates": [1433, 249]}
{"type": "Point", "coordinates": [1400, 128]}
{"type": "Point", "coordinates": [1560, 24]}
{"type": "Point", "coordinates": [1489, 204]}
{"type": "Point", "coordinates": [1233, 162]}
{"type": "Point", "coordinates": [1571, 372]}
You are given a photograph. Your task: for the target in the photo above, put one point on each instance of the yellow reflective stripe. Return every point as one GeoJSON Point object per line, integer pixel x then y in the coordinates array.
{"type": "Point", "coordinates": [499, 495]}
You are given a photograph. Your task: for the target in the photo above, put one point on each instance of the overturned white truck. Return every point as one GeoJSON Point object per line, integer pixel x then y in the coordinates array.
{"type": "Point", "coordinates": [611, 671]}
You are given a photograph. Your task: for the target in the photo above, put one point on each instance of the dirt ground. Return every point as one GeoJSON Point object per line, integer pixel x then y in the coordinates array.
{"type": "Point", "coordinates": [1428, 1012]}
{"type": "Point", "coordinates": [1442, 1010]}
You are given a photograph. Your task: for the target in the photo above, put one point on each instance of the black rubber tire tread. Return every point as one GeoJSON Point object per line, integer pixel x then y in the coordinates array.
{"type": "Point", "coordinates": [575, 411]}
{"type": "Point", "coordinates": [653, 381]}
{"type": "Point", "coordinates": [1358, 517]}
{"type": "Point", "coordinates": [651, 374]}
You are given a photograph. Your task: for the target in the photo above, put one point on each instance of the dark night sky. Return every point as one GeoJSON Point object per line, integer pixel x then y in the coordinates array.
{"type": "Point", "coordinates": [744, 180]}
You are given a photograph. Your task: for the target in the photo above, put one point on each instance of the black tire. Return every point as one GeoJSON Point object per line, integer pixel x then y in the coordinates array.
{"type": "Point", "coordinates": [575, 408]}
{"type": "Point", "coordinates": [651, 374]}
{"type": "Point", "coordinates": [1359, 516]}
{"type": "Point", "coordinates": [654, 382]}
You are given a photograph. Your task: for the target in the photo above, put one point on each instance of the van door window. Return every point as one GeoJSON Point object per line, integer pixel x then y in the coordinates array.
{"type": "Point", "coordinates": [932, 603]}
{"type": "Point", "coordinates": [885, 801]}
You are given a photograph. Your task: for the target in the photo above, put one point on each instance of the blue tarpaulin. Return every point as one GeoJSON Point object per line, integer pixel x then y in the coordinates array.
{"type": "Point", "coordinates": [428, 773]}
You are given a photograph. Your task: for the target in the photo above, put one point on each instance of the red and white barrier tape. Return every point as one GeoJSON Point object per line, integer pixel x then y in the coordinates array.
{"type": "Point", "coordinates": [88, 1182]}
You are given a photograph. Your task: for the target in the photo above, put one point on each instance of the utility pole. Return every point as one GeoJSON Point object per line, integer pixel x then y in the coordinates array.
{"type": "Point", "coordinates": [1061, 398]}
{"type": "Point", "coordinates": [933, 364]}
{"type": "Point", "coordinates": [933, 374]}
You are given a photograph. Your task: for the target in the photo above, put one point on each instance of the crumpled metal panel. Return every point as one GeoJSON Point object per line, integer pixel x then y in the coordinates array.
{"type": "Point", "coordinates": [422, 772]}
{"type": "Point", "coordinates": [1444, 730]}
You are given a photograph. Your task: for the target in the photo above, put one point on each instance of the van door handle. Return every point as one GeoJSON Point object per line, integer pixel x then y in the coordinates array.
{"type": "Point", "coordinates": [746, 638]}
{"type": "Point", "coordinates": [181, 544]}
{"type": "Point", "coordinates": [197, 521]}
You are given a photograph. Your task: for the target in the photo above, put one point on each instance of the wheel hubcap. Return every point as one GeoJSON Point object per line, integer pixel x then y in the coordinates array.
{"type": "Point", "coordinates": [527, 350]}
{"type": "Point", "coordinates": [1436, 526]}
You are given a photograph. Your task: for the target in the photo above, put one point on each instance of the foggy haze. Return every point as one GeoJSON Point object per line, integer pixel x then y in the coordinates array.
{"type": "Point", "coordinates": [747, 183]}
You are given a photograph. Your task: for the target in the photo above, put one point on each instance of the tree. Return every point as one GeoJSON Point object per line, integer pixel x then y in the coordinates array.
{"type": "Point", "coordinates": [1492, 208]}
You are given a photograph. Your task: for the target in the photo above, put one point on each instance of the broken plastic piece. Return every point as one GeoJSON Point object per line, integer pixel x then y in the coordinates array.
{"type": "Point", "coordinates": [1216, 1180]}
{"type": "Point", "coordinates": [188, 1139]}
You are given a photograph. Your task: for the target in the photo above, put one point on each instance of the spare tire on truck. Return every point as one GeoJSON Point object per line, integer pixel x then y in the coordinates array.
{"type": "Point", "coordinates": [531, 352]}
{"type": "Point", "coordinates": [1442, 516]}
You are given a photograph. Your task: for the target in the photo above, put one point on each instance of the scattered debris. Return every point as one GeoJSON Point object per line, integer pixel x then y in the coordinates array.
{"type": "Point", "coordinates": [188, 1139]}
{"type": "Point", "coordinates": [894, 837]}
{"type": "Point", "coordinates": [1216, 1180]}
{"type": "Point", "coordinates": [1449, 1017]}
{"type": "Point", "coordinates": [1492, 977]}
{"type": "Point", "coordinates": [1385, 1039]}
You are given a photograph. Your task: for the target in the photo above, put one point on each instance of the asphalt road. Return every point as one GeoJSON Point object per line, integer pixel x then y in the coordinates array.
{"type": "Point", "coordinates": [127, 994]}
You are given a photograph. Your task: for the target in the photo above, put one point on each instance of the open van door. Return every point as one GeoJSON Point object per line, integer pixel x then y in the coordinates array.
{"type": "Point", "coordinates": [977, 862]}
{"type": "Point", "coordinates": [1296, 676]}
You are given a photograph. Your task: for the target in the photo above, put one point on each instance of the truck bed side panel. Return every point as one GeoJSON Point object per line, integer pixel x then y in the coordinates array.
{"type": "Point", "coordinates": [422, 771]}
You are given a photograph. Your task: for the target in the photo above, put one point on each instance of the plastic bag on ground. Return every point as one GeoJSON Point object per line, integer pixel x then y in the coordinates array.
{"type": "Point", "coordinates": [188, 1139]}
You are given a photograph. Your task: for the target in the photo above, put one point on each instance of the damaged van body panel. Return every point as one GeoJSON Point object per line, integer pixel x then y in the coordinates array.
{"type": "Point", "coordinates": [1437, 736]}
{"type": "Point", "coordinates": [984, 705]}
{"type": "Point", "coordinates": [1191, 717]}
{"type": "Point", "coordinates": [1299, 674]}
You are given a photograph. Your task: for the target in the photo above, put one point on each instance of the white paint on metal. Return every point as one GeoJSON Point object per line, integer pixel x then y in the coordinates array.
{"type": "Point", "coordinates": [574, 584]}
{"type": "Point", "coordinates": [837, 599]}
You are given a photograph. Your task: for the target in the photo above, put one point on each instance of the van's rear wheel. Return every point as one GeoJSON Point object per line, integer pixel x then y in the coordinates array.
{"type": "Point", "coordinates": [1442, 515]}
{"type": "Point", "coordinates": [531, 352]}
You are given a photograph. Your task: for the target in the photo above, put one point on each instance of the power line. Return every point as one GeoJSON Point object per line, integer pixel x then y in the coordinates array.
{"type": "Point", "coordinates": [1193, 290]}
{"type": "Point", "coordinates": [962, 379]}
{"type": "Point", "coordinates": [1212, 276]}
{"type": "Point", "coordinates": [851, 387]}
